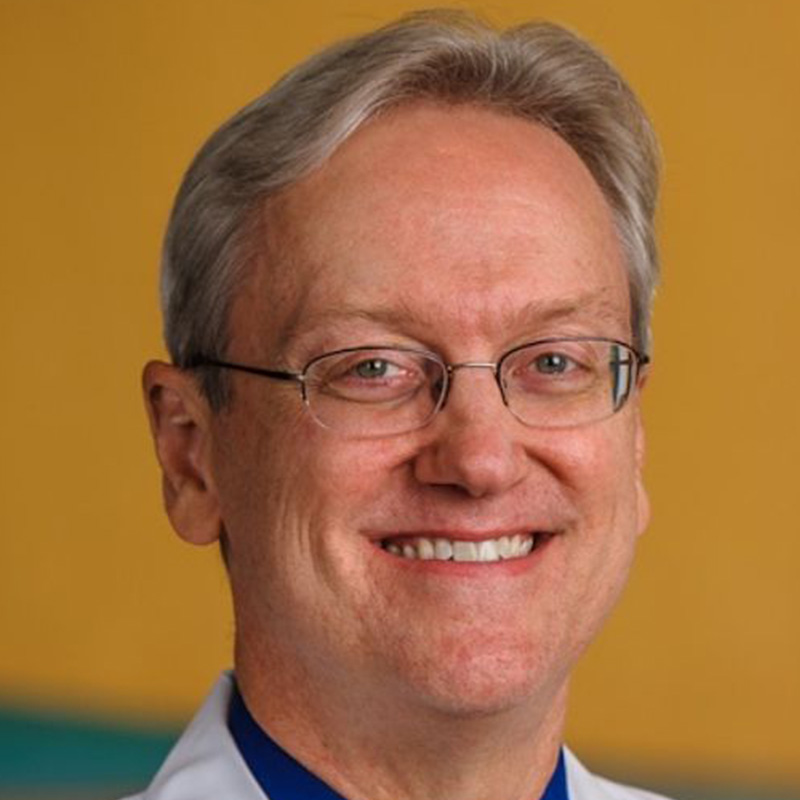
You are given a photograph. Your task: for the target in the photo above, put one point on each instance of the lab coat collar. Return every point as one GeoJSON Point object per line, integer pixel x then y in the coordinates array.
{"type": "Point", "coordinates": [205, 764]}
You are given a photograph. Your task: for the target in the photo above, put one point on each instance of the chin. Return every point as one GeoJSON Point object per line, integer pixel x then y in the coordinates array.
{"type": "Point", "coordinates": [482, 683]}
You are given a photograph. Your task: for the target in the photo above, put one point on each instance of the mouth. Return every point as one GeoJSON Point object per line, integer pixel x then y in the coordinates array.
{"type": "Point", "coordinates": [502, 548]}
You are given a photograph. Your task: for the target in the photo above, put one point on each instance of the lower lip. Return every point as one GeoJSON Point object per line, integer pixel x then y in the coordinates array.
{"type": "Point", "coordinates": [471, 569]}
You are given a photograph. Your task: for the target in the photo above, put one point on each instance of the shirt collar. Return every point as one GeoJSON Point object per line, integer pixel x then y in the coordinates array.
{"type": "Point", "coordinates": [282, 778]}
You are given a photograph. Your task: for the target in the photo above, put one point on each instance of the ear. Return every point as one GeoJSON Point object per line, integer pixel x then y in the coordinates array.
{"type": "Point", "coordinates": [180, 422]}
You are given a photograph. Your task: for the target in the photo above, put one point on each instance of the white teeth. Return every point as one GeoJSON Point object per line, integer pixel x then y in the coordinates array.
{"type": "Point", "coordinates": [425, 549]}
{"type": "Point", "coordinates": [443, 550]}
{"type": "Point", "coordinates": [487, 550]}
{"type": "Point", "coordinates": [465, 551]}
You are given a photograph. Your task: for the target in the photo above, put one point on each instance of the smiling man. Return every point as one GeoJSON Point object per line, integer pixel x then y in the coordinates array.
{"type": "Point", "coordinates": [406, 296]}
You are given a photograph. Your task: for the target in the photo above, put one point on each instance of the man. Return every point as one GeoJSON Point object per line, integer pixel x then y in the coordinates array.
{"type": "Point", "coordinates": [406, 296]}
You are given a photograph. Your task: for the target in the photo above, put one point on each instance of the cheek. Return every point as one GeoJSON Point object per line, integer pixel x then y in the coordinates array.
{"type": "Point", "coordinates": [597, 470]}
{"type": "Point", "coordinates": [292, 495]}
{"type": "Point", "coordinates": [297, 563]}
{"type": "Point", "coordinates": [600, 466]}
{"type": "Point", "coordinates": [345, 478]}
{"type": "Point", "coordinates": [609, 492]}
{"type": "Point", "coordinates": [256, 471]}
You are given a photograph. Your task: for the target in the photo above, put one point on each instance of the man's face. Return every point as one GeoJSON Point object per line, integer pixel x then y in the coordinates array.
{"type": "Point", "coordinates": [464, 232]}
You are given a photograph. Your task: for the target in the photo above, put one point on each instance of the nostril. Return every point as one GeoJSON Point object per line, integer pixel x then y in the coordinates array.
{"type": "Point", "coordinates": [473, 449]}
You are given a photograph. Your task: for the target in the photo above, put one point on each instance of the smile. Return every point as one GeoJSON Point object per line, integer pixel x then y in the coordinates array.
{"type": "Point", "coordinates": [503, 548]}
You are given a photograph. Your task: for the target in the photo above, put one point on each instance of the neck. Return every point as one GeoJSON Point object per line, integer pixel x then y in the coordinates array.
{"type": "Point", "coordinates": [371, 745]}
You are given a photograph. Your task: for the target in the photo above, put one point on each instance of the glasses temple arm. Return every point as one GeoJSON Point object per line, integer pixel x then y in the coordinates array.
{"type": "Point", "coordinates": [274, 374]}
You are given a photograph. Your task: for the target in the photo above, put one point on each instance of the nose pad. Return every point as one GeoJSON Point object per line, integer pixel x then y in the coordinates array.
{"type": "Point", "coordinates": [451, 369]}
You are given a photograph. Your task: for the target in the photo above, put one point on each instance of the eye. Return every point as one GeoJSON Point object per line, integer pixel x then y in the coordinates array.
{"type": "Point", "coordinates": [553, 363]}
{"type": "Point", "coordinates": [375, 376]}
{"type": "Point", "coordinates": [374, 368]}
{"type": "Point", "coordinates": [552, 368]}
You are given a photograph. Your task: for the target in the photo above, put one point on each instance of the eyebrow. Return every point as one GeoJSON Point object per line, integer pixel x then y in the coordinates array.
{"type": "Point", "coordinates": [401, 314]}
{"type": "Point", "coordinates": [596, 305]}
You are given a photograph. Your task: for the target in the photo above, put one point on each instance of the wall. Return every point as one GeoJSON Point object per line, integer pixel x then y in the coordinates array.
{"type": "Point", "coordinates": [104, 612]}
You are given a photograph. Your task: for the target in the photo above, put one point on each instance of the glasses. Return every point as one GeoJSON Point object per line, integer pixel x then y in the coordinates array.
{"type": "Point", "coordinates": [383, 391]}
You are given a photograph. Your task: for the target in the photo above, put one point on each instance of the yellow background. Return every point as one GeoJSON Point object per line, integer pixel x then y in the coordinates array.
{"type": "Point", "coordinates": [102, 609]}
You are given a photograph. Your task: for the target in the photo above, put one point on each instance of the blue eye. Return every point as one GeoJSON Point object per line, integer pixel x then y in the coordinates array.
{"type": "Point", "coordinates": [552, 363]}
{"type": "Point", "coordinates": [372, 368]}
{"type": "Point", "coordinates": [369, 376]}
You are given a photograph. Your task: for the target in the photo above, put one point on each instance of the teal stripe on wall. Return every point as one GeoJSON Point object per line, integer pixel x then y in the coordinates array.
{"type": "Point", "coordinates": [59, 757]}
{"type": "Point", "coordinates": [42, 751]}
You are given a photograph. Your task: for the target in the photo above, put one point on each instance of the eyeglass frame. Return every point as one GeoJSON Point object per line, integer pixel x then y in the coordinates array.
{"type": "Point", "coordinates": [640, 360]}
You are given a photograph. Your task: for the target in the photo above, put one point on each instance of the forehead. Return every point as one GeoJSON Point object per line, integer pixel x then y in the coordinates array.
{"type": "Point", "coordinates": [458, 217]}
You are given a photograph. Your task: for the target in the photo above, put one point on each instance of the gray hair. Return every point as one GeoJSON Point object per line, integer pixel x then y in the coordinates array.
{"type": "Point", "coordinates": [537, 71]}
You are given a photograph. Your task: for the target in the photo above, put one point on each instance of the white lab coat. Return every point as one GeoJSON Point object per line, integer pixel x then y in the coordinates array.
{"type": "Point", "coordinates": [205, 764]}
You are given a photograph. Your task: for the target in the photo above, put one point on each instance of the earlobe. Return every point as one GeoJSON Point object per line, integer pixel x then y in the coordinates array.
{"type": "Point", "coordinates": [180, 424]}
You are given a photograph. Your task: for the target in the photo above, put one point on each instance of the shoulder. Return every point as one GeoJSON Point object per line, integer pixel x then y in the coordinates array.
{"type": "Point", "coordinates": [583, 785]}
{"type": "Point", "coordinates": [205, 764]}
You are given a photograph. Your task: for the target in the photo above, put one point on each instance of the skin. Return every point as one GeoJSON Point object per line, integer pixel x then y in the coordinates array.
{"type": "Point", "coordinates": [465, 232]}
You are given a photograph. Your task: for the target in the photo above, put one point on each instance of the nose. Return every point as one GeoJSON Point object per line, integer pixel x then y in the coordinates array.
{"type": "Point", "coordinates": [474, 443]}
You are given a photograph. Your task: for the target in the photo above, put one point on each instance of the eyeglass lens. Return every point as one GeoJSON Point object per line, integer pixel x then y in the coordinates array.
{"type": "Point", "coordinates": [550, 384]}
